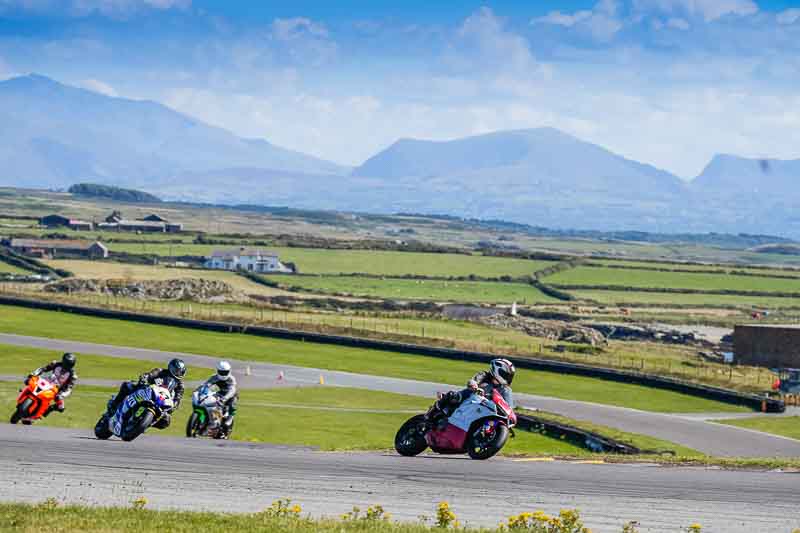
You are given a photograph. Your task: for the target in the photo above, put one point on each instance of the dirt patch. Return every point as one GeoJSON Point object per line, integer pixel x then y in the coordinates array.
{"type": "Point", "coordinates": [187, 289]}
{"type": "Point", "coordinates": [548, 329]}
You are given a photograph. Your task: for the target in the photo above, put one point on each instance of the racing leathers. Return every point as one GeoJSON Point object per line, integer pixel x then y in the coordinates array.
{"type": "Point", "coordinates": [482, 382]}
{"type": "Point", "coordinates": [65, 378]}
{"type": "Point", "coordinates": [157, 376]}
{"type": "Point", "coordinates": [228, 396]}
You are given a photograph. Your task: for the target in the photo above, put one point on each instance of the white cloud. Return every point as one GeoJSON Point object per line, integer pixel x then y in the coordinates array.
{"type": "Point", "coordinates": [483, 42]}
{"type": "Point", "coordinates": [563, 19]}
{"type": "Point", "coordinates": [82, 8]}
{"type": "Point", "coordinates": [297, 28]}
{"type": "Point", "coordinates": [303, 41]}
{"type": "Point", "coordinates": [678, 23]}
{"type": "Point", "coordinates": [98, 87]}
{"type": "Point", "coordinates": [708, 10]}
{"type": "Point", "coordinates": [601, 22]}
{"type": "Point", "coordinates": [790, 16]}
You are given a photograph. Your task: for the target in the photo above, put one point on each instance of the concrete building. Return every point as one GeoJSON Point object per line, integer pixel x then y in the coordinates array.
{"type": "Point", "coordinates": [53, 248]}
{"type": "Point", "coordinates": [767, 345]}
{"type": "Point", "coordinates": [248, 259]}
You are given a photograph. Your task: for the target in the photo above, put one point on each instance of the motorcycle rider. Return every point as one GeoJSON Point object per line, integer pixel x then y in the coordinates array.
{"type": "Point", "coordinates": [499, 377]}
{"type": "Point", "coordinates": [170, 378]}
{"type": "Point", "coordinates": [227, 395]}
{"type": "Point", "coordinates": [63, 373]}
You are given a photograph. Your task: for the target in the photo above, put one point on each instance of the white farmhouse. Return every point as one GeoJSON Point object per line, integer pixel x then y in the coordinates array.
{"type": "Point", "coordinates": [248, 259]}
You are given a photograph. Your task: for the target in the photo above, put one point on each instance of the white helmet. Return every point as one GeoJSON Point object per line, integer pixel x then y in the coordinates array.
{"type": "Point", "coordinates": [224, 370]}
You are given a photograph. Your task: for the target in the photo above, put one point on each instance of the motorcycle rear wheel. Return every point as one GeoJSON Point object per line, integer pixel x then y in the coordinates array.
{"type": "Point", "coordinates": [410, 438]}
{"type": "Point", "coordinates": [136, 426]}
{"type": "Point", "coordinates": [480, 448]}
{"type": "Point", "coordinates": [101, 430]}
{"type": "Point", "coordinates": [21, 411]}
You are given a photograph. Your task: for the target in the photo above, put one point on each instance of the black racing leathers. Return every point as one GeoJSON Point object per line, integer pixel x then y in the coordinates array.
{"type": "Point", "coordinates": [157, 376]}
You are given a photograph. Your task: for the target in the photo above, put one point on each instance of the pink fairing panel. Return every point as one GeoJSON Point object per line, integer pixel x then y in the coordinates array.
{"type": "Point", "coordinates": [450, 438]}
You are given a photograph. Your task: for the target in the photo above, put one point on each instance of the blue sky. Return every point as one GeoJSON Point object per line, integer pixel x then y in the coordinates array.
{"type": "Point", "coordinates": [666, 82]}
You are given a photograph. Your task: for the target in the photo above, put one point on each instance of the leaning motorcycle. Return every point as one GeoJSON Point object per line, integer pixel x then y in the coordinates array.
{"type": "Point", "coordinates": [34, 399]}
{"type": "Point", "coordinates": [140, 410]}
{"type": "Point", "coordinates": [207, 414]}
{"type": "Point", "coordinates": [479, 427]}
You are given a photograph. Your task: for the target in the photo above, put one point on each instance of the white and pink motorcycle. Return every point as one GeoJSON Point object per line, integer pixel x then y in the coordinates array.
{"type": "Point", "coordinates": [480, 427]}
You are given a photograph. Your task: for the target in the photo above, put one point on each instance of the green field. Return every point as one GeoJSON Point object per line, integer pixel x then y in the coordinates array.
{"type": "Point", "coordinates": [594, 276]}
{"type": "Point", "coordinates": [713, 268]}
{"type": "Point", "coordinates": [786, 426]}
{"type": "Point", "coordinates": [20, 361]}
{"type": "Point", "coordinates": [243, 347]}
{"type": "Point", "coordinates": [415, 289]}
{"type": "Point", "coordinates": [378, 262]}
{"type": "Point", "coordinates": [694, 300]}
{"type": "Point", "coordinates": [5, 268]}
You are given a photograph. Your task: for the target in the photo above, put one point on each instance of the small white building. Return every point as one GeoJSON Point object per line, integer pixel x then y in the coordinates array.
{"type": "Point", "coordinates": [248, 259]}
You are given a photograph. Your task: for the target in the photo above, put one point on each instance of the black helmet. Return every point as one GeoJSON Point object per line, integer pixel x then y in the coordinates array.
{"type": "Point", "coordinates": [68, 361]}
{"type": "Point", "coordinates": [502, 370]}
{"type": "Point", "coordinates": [177, 368]}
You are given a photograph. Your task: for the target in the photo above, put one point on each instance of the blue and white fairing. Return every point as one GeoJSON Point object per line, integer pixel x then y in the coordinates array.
{"type": "Point", "coordinates": [157, 396]}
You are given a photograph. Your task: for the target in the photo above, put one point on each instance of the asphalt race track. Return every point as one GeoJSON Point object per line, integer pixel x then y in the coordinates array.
{"type": "Point", "coordinates": [72, 466]}
{"type": "Point", "coordinates": [689, 430]}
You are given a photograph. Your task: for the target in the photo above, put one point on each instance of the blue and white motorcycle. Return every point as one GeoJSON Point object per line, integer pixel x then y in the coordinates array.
{"type": "Point", "coordinates": [140, 410]}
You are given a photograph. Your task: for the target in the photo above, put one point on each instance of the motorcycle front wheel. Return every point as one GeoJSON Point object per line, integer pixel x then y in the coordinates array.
{"type": "Point", "coordinates": [21, 411]}
{"type": "Point", "coordinates": [193, 425]}
{"type": "Point", "coordinates": [410, 438]}
{"type": "Point", "coordinates": [483, 446]}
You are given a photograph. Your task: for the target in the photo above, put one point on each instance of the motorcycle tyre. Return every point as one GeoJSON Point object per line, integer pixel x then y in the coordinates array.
{"type": "Point", "coordinates": [418, 446]}
{"type": "Point", "coordinates": [21, 411]}
{"type": "Point", "coordinates": [193, 426]}
{"type": "Point", "coordinates": [501, 436]}
{"type": "Point", "coordinates": [138, 426]}
{"type": "Point", "coordinates": [101, 430]}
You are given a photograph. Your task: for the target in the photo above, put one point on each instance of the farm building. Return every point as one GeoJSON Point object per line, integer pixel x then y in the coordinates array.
{"type": "Point", "coordinates": [767, 345]}
{"type": "Point", "coordinates": [154, 218]}
{"type": "Point", "coordinates": [149, 224]}
{"type": "Point", "coordinates": [58, 221]}
{"type": "Point", "coordinates": [249, 259]}
{"type": "Point", "coordinates": [52, 248]}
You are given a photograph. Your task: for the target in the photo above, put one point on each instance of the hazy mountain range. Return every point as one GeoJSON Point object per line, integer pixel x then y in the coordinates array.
{"type": "Point", "coordinates": [53, 135]}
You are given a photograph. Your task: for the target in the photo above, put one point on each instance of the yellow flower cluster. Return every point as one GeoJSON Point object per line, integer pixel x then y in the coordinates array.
{"type": "Point", "coordinates": [445, 517]}
{"type": "Point", "coordinates": [375, 513]}
{"type": "Point", "coordinates": [567, 521]}
{"type": "Point", "coordinates": [283, 509]}
{"type": "Point", "coordinates": [139, 503]}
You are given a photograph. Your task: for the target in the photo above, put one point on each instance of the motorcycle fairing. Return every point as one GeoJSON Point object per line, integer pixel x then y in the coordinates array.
{"type": "Point", "coordinates": [454, 435]}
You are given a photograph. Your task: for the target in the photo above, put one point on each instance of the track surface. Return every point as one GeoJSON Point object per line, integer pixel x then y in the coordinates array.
{"type": "Point", "coordinates": [692, 431]}
{"type": "Point", "coordinates": [38, 462]}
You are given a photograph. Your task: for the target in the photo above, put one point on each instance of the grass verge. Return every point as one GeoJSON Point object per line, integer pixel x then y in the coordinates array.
{"type": "Point", "coordinates": [785, 426]}
{"type": "Point", "coordinates": [243, 347]}
{"type": "Point", "coordinates": [20, 361]}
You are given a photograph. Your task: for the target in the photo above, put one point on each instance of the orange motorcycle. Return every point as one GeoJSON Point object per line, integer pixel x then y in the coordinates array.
{"type": "Point", "coordinates": [34, 399]}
